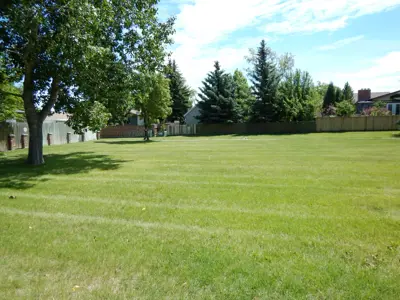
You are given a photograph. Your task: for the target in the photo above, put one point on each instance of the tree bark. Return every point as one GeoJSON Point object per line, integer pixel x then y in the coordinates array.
{"type": "Point", "coordinates": [35, 156]}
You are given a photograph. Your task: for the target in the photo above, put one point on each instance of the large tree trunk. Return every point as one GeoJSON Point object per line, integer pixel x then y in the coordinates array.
{"type": "Point", "coordinates": [35, 155]}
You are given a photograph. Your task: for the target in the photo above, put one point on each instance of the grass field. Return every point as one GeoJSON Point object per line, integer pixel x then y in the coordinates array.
{"type": "Point", "coordinates": [268, 217]}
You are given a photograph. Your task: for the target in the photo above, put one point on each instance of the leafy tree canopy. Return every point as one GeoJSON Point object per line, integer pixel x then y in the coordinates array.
{"type": "Point", "coordinates": [66, 49]}
{"type": "Point", "coordinates": [153, 99]}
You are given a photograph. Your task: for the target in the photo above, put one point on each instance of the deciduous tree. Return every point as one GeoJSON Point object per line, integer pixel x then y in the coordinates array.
{"type": "Point", "coordinates": [50, 45]}
{"type": "Point", "coordinates": [153, 99]}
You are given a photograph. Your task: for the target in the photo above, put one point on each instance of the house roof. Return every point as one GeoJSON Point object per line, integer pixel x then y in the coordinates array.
{"type": "Point", "coordinates": [373, 95]}
{"type": "Point", "coordinates": [190, 110]}
{"type": "Point", "coordinates": [387, 94]}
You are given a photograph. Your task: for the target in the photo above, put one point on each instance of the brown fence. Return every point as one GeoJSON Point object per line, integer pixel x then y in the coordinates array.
{"type": "Point", "coordinates": [327, 124]}
{"type": "Point", "coordinates": [261, 128]}
{"type": "Point", "coordinates": [177, 129]}
{"type": "Point", "coordinates": [122, 131]}
{"type": "Point", "coordinates": [336, 124]}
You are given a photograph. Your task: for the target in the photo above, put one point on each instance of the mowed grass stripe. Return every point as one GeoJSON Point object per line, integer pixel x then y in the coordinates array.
{"type": "Point", "coordinates": [283, 210]}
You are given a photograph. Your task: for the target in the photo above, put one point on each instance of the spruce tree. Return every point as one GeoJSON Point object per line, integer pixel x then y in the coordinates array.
{"type": "Point", "coordinates": [348, 93]}
{"type": "Point", "coordinates": [338, 95]}
{"type": "Point", "coordinates": [180, 93]}
{"type": "Point", "coordinates": [217, 103]}
{"type": "Point", "coordinates": [330, 97]}
{"type": "Point", "coordinates": [264, 76]}
{"type": "Point", "coordinates": [243, 96]}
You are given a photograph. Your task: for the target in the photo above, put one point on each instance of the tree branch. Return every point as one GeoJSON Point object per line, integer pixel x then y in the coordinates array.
{"type": "Point", "coordinates": [10, 94]}
{"type": "Point", "coordinates": [54, 88]}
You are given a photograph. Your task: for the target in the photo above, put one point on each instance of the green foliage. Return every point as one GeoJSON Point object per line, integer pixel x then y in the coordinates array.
{"type": "Point", "coordinates": [84, 50]}
{"type": "Point", "coordinates": [89, 116]}
{"type": "Point", "coordinates": [379, 104]}
{"type": "Point", "coordinates": [180, 93]}
{"type": "Point", "coordinates": [10, 97]}
{"type": "Point", "coordinates": [298, 97]}
{"type": "Point", "coordinates": [10, 103]}
{"type": "Point", "coordinates": [243, 96]}
{"type": "Point", "coordinates": [264, 75]}
{"type": "Point", "coordinates": [329, 98]}
{"type": "Point", "coordinates": [345, 108]}
{"type": "Point", "coordinates": [338, 95]}
{"type": "Point", "coordinates": [348, 93]}
{"type": "Point", "coordinates": [376, 111]}
{"type": "Point", "coordinates": [217, 103]}
{"type": "Point", "coordinates": [153, 100]}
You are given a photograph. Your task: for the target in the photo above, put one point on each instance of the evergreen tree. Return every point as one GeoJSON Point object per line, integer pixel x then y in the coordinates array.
{"type": "Point", "coordinates": [217, 104]}
{"type": "Point", "coordinates": [180, 93]}
{"type": "Point", "coordinates": [243, 96]}
{"type": "Point", "coordinates": [264, 76]}
{"type": "Point", "coordinates": [329, 98]}
{"type": "Point", "coordinates": [348, 93]}
{"type": "Point", "coordinates": [338, 95]}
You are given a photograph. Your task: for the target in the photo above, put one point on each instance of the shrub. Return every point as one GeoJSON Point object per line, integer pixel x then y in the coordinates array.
{"type": "Point", "coordinates": [345, 109]}
{"type": "Point", "coordinates": [376, 112]}
{"type": "Point", "coordinates": [330, 111]}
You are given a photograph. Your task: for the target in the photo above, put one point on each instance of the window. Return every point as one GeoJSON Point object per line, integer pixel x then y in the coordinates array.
{"type": "Point", "coordinates": [394, 108]}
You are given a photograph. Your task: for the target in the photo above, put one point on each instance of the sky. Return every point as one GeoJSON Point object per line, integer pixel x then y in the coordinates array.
{"type": "Point", "coordinates": [335, 40]}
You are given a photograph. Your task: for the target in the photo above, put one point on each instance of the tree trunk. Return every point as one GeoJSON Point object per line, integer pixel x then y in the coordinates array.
{"type": "Point", "coordinates": [35, 156]}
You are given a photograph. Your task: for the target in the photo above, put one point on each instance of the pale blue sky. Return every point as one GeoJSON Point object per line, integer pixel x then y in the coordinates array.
{"type": "Point", "coordinates": [337, 40]}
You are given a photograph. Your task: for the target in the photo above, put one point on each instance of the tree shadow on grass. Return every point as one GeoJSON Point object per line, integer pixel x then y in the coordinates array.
{"type": "Point", "coordinates": [16, 174]}
{"type": "Point", "coordinates": [126, 142]}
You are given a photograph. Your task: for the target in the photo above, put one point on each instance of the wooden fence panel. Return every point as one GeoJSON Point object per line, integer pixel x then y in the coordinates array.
{"type": "Point", "coordinates": [334, 124]}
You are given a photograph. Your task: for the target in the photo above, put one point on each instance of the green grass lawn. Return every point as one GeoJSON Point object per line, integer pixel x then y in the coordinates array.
{"type": "Point", "coordinates": [268, 217]}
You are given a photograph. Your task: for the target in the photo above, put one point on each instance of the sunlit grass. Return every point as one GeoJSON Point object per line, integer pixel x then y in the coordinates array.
{"type": "Point", "coordinates": [262, 217]}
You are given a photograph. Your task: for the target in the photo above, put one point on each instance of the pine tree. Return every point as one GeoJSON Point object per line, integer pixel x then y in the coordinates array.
{"type": "Point", "coordinates": [243, 96]}
{"type": "Point", "coordinates": [330, 97]}
{"type": "Point", "coordinates": [348, 93]}
{"type": "Point", "coordinates": [338, 95]}
{"type": "Point", "coordinates": [180, 93]}
{"type": "Point", "coordinates": [217, 103]}
{"type": "Point", "coordinates": [264, 76]}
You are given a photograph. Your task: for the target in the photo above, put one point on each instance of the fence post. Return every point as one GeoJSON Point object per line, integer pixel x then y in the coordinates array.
{"type": "Point", "coordinates": [24, 140]}
{"type": "Point", "coordinates": [11, 142]}
{"type": "Point", "coordinates": [49, 139]}
{"type": "Point", "coordinates": [69, 137]}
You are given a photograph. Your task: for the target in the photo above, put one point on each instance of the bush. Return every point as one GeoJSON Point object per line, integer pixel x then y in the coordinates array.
{"type": "Point", "coordinates": [376, 112]}
{"type": "Point", "coordinates": [345, 109]}
{"type": "Point", "coordinates": [330, 111]}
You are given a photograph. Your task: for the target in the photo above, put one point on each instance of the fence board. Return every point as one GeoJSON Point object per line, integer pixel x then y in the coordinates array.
{"type": "Point", "coordinates": [58, 130]}
{"type": "Point", "coordinates": [334, 124]}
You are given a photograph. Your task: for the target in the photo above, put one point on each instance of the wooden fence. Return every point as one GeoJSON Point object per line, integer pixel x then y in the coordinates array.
{"type": "Point", "coordinates": [326, 124]}
{"type": "Point", "coordinates": [176, 129]}
{"type": "Point", "coordinates": [59, 132]}
{"type": "Point", "coordinates": [335, 124]}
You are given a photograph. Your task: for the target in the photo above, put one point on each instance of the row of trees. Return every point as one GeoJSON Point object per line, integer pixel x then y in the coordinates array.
{"type": "Point", "coordinates": [278, 92]}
